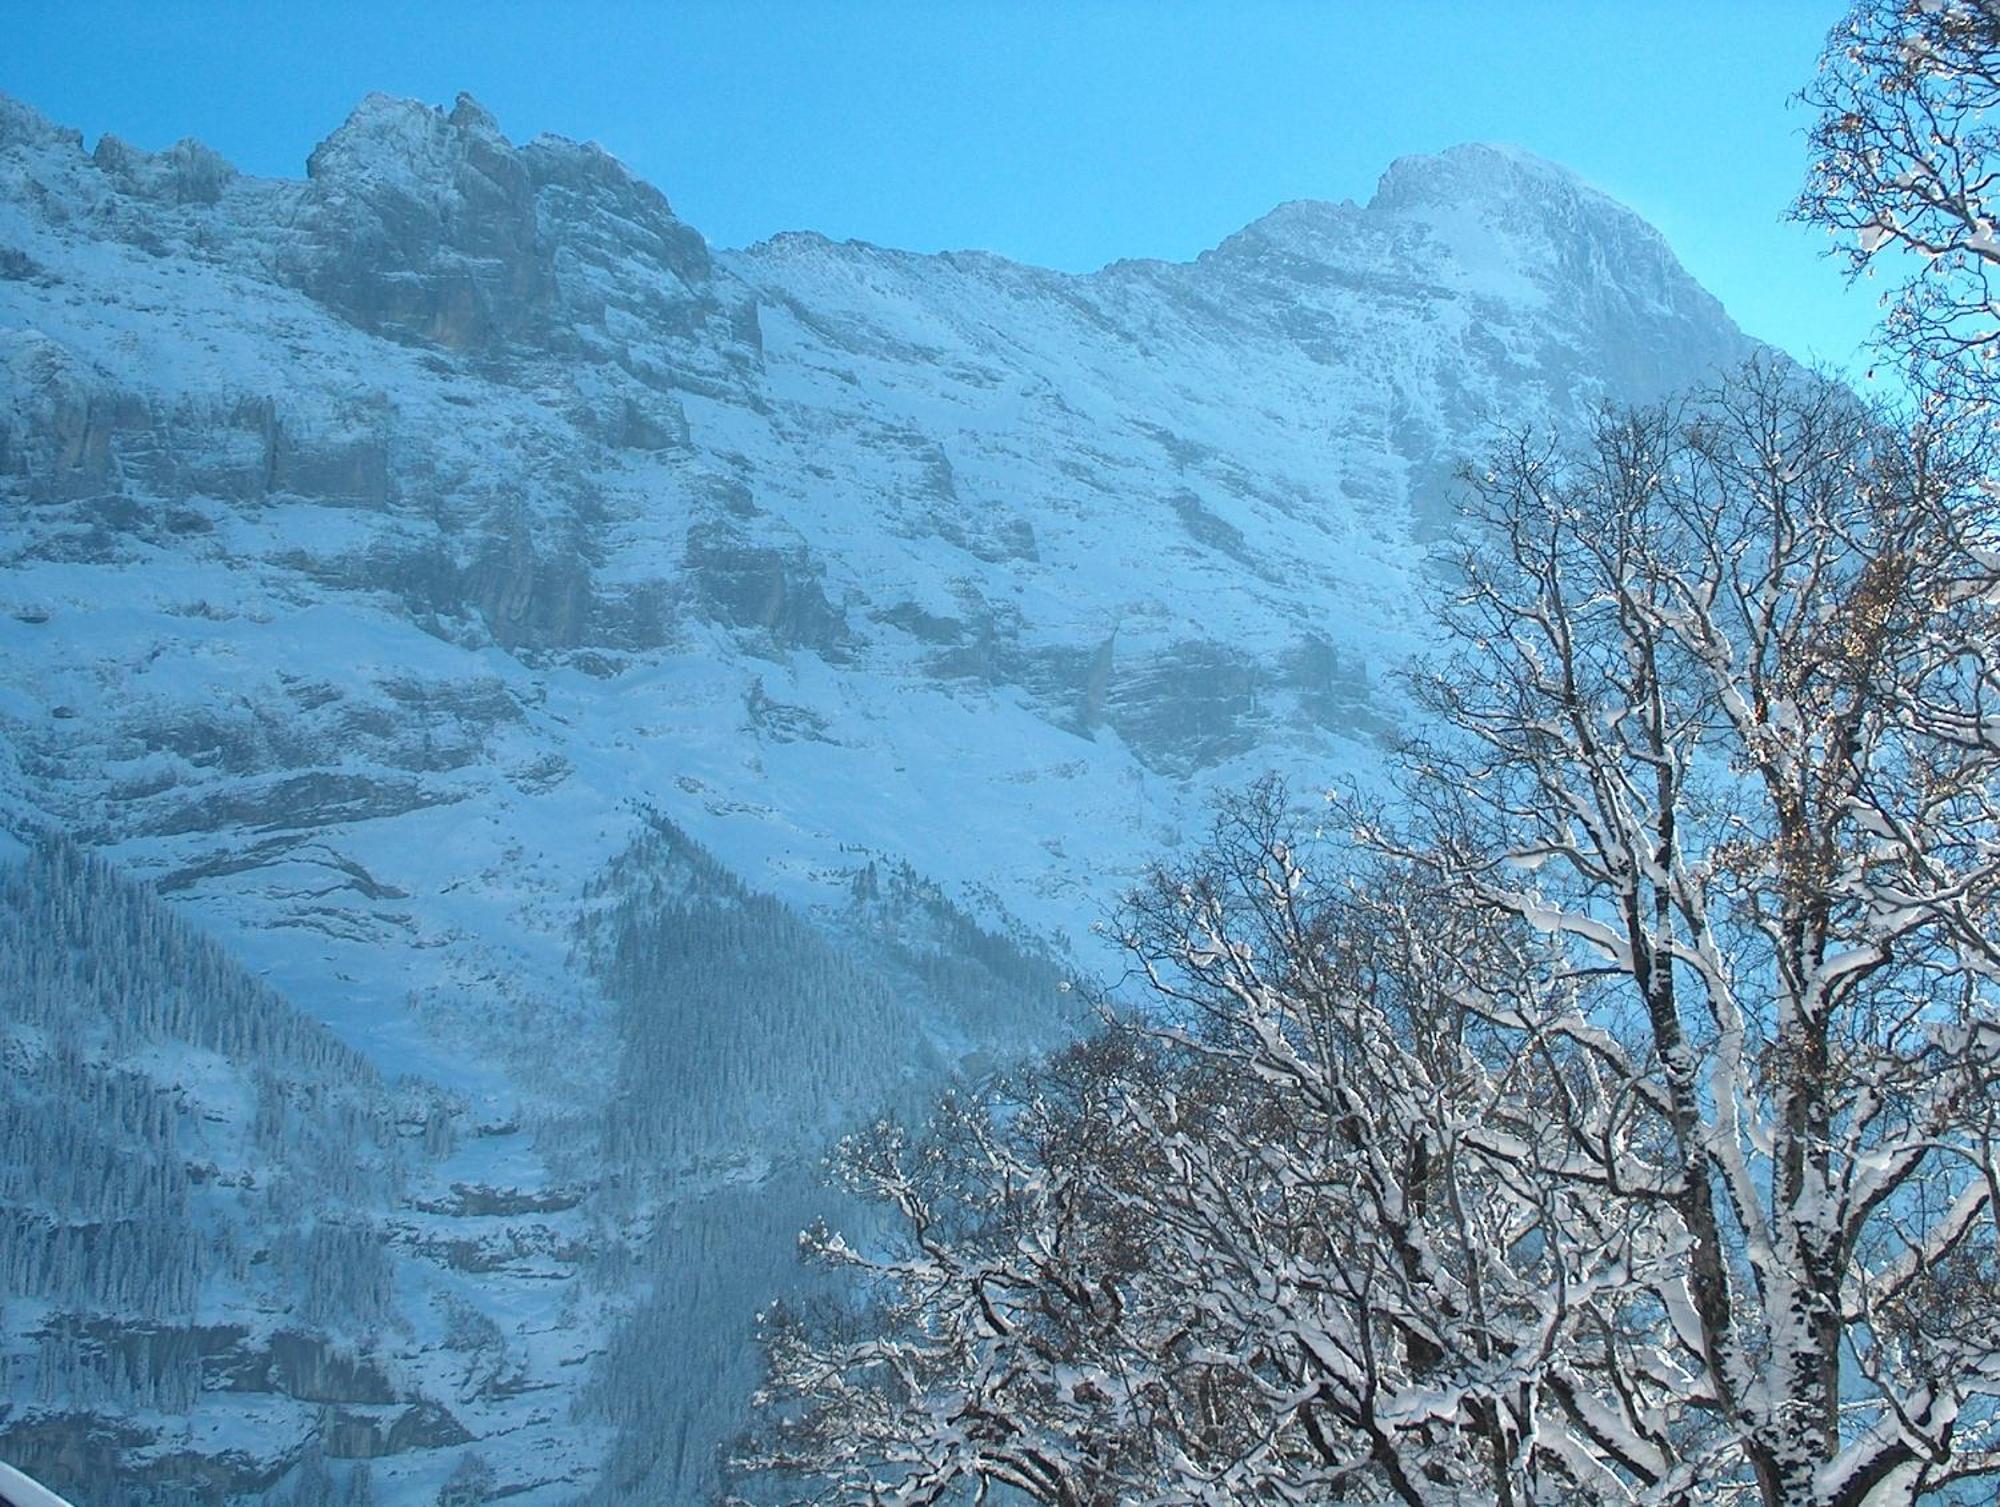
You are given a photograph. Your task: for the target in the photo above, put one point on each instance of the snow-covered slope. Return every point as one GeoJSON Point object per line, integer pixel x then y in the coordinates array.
{"type": "Point", "coordinates": [411, 570]}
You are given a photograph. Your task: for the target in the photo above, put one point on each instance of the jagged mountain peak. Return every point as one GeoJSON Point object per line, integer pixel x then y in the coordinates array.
{"type": "Point", "coordinates": [396, 126]}
{"type": "Point", "coordinates": [398, 137]}
{"type": "Point", "coordinates": [432, 224]}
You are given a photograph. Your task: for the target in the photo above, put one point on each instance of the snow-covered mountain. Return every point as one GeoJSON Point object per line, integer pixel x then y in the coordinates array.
{"type": "Point", "coordinates": [662, 704]}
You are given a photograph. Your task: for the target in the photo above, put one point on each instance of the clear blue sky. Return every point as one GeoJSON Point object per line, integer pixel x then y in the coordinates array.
{"type": "Point", "coordinates": [1066, 134]}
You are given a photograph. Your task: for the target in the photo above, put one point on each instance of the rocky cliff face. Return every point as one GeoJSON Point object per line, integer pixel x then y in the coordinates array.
{"type": "Point", "coordinates": [493, 615]}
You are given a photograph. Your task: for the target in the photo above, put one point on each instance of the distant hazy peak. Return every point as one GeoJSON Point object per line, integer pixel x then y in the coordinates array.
{"type": "Point", "coordinates": [1507, 187]}
{"type": "Point", "coordinates": [1493, 206]}
{"type": "Point", "coordinates": [1475, 171]}
{"type": "Point", "coordinates": [1476, 180]}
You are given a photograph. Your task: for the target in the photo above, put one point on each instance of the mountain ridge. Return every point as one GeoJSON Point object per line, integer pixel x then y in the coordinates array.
{"type": "Point", "coordinates": [404, 127]}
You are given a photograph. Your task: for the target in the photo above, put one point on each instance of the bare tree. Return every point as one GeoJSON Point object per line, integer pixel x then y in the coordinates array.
{"type": "Point", "coordinates": [982, 1342]}
{"type": "Point", "coordinates": [1381, 1204]}
{"type": "Point", "coordinates": [1721, 719]}
{"type": "Point", "coordinates": [1904, 161]}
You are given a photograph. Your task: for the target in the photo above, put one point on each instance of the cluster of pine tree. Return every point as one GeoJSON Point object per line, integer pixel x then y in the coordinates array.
{"type": "Point", "coordinates": [717, 1260]}
{"type": "Point", "coordinates": [171, 1132]}
{"type": "Point", "coordinates": [93, 1191]}
{"type": "Point", "coordinates": [734, 1014]}
{"type": "Point", "coordinates": [998, 992]}
{"type": "Point", "coordinates": [79, 944]}
{"type": "Point", "coordinates": [743, 1023]}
